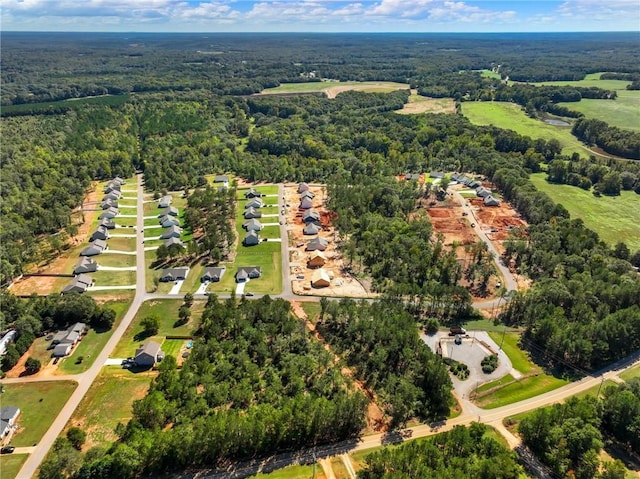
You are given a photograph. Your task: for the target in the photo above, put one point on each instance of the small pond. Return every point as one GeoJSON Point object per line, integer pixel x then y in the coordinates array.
{"type": "Point", "coordinates": [555, 122]}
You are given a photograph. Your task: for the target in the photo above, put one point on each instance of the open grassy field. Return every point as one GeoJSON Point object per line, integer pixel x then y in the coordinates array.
{"type": "Point", "coordinates": [114, 390]}
{"type": "Point", "coordinates": [294, 472]}
{"type": "Point", "coordinates": [422, 104]}
{"type": "Point", "coordinates": [519, 359]}
{"type": "Point", "coordinates": [490, 74]}
{"type": "Point", "coordinates": [486, 325]}
{"type": "Point", "coordinates": [11, 464]}
{"type": "Point", "coordinates": [614, 218]}
{"type": "Point", "coordinates": [114, 260]}
{"type": "Point", "coordinates": [312, 310]}
{"type": "Point", "coordinates": [166, 310]}
{"type": "Point", "coordinates": [510, 116]}
{"type": "Point", "coordinates": [92, 343]}
{"type": "Point", "coordinates": [591, 79]}
{"type": "Point", "coordinates": [39, 405]}
{"type": "Point", "coordinates": [594, 390]}
{"type": "Point", "coordinates": [634, 372]}
{"type": "Point", "coordinates": [371, 87]}
{"type": "Point", "coordinates": [623, 112]}
{"type": "Point", "coordinates": [114, 278]}
{"type": "Point", "coordinates": [520, 390]}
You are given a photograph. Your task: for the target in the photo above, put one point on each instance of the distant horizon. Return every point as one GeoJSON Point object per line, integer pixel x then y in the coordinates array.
{"type": "Point", "coordinates": [298, 32]}
{"type": "Point", "coordinates": [321, 16]}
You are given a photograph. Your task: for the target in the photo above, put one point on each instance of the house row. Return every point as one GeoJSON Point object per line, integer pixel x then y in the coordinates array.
{"type": "Point", "coordinates": [64, 341]}
{"type": "Point", "coordinates": [114, 185]}
{"type": "Point", "coordinates": [470, 182]}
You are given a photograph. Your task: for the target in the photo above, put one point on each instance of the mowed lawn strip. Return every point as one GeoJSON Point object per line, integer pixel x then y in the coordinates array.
{"type": "Point", "coordinates": [520, 359]}
{"type": "Point", "coordinates": [520, 390]}
{"type": "Point", "coordinates": [294, 472]}
{"type": "Point", "coordinates": [510, 116]}
{"type": "Point", "coordinates": [166, 310]}
{"type": "Point", "coordinates": [634, 372]}
{"type": "Point", "coordinates": [93, 342]}
{"type": "Point", "coordinates": [108, 402]}
{"type": "Point", "coordinates": [10, 464]}
{"type": "Point", "coordinates": [614, 218]}
{"type": "Point", "coordinates": [114, 278]}
{"type": "Point", "coordinates": [39, 405]}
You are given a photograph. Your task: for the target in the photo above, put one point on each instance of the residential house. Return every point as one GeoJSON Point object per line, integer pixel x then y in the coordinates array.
{"type": "Point", "coordinates": [252, 225]}
{"type": "Point", "coordinates": [254, 203]}
{"type": "Point", "coordinates": [79, 284]}
{"type": "Point", "coordinates": [172, 241]}
{"type": "Point", "coordinates": [483, 192]}
{"type": "Point", "coordinates": [311, 229]}
{"type": "Point", "coordinates": [491, 201]}
{"type": "Point", "coordinates": [252, 213]}
{"type": "Point", "coordinates": [6, 340]}
{"type": "Point", "coordinates": [167, 221]}
{"type": "Point", "coordinates": [95, 248]}
{"type": "Point", "coordinates": [119, 181]}
{"type": "Point", "coordinates": [474, 184]}
{"type": "Point", "coordinates": [101, 233]}
{"type": "Point", "coordinates": [62, 350]}
{"type": "Point", "coordinates": [165, 201]}
{"type": "Point", "coordinates": [224, 179]}
{"type": "Point", "coordinates": [106, 204]}
{"type": "Point", "coordinates": [302, 187]}
{"type": "Point", "coordinates": [248, 272]}
{"type": "Point", "coordinates": [148, 354]}
{"type": "Point", "coordinates": [8, 417]}
{"type": "Point", "coordinates": [85, 265]}
{"type": "Point", "coordinates": [111, 186]}
{"type": "Point", "coordinates": [412, 176]}
{"type": "Point", "coordinates": [109, 213]}
{"type": "Point", "coordinates": [63, 341]}
{"type": "Point", "coordinates": [171, 210]}
{"type": "Point", "coordinates": [317, 259]}
{"type": "Point", "coordinates": [306, 204]}
{"type": "Point", "coordinates": [174, 274]}
{"type": "Point", "coordinates": [436, 174]}
{"type": "Point", "coordinates": [311, 216]}
{"type": "Point", "coordinates": [171, 232]}
{"type": "Point", "coordinates": [107, 223]}
{"type": "Point", "coordinates": [213, 274]}
{"type": "Point", "coordinates": [307, 194]}
{"type": "Point", "coordinates": [317, 244]}
{"type": "Point", "coordinates": [320, 278]}
{"type": "Point", "coordinates": [114, 195]}
{"type": "Point", "coordinates": [251, 239]}
{"type": "Point", "coordinates": [252, 193]}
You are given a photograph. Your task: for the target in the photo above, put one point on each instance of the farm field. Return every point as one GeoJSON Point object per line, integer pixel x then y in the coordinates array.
{"type": "Point", "coordinates": [614, 218]}
{"type": "Point", "coordinates": [422, 104]}
{"type": "Point", "coordinates": [11, 464]}
{"type": "Point", "coordinates": [114, 390]}
{"type": "Point", "coordinates": [511, 117]}
{"type": "Point", "coordinates": [333, 88]}
{"type": "Point", "coordinates": [590, 80]}
{"type": "Point", "coordinates": [623, 112]}
{"type": "Point", "coordinates": [166, 310]}
{"type": "Point", "coordinates": [39, 404]}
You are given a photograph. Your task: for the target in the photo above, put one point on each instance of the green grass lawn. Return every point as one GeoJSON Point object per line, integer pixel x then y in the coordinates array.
{"type": "Point", "coordinates": [294, 472]}
{"type": "Point", "coordinates": [177, 201]}
{"type": "Point", "coordinates": [267, 189]}
{"type": "Point", "coordinates": [115, 260]}
{"type": "Point", "coordinates": [623, 112]}
{"type": "Point", "coordinates": [312, 310]}
{"type": "Point", "coordinates": [122, 244]}
{"type": "Point", "coordinates": [379, 87]}
{"type": "Point", "coordinates": [498, 382]}
{"type": "Point", "coordinates": [594, 390]}
{"type": "Point", "coordinates": [124, 222]}
{"type": "Point", "coordinates": [166, 310]}
{"type": "Point", "coordinates": [11, 464]}
{"type": "Point", "coordinates": [172, 347]}
{"type": "Point", "coordinates": [114, 278]}
{"type": "Point", "coordinates": [114, 390]}
{"type": "Point", "coordinates": [490, 74]}
{"type": "Point", "coordinates": [511, 117]}
{"type": "Point", "coordinates": [614, 218]}
{"type": "Point", "coordinates": [93, 342]}
{"type": "Point", "coordinates": [520, 359]}
{"type": "Point", "coordinates": [634, 372]}
{"type": "Point", "coordinates": [520, 390]}
{"type": "Point", "coordinates": [486, 325]}
{"type": "Point", "coordinates": [39, 405]}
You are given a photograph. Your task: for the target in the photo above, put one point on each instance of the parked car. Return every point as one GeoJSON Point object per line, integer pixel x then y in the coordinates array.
{"type": "Point", "coordinates": [7, 450]}
{"type": "Point", "coordinates": [458, 339]}
{"type": "Point", "coordinates": [249, 294]}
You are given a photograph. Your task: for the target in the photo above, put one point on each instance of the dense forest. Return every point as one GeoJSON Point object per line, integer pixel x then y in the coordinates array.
{"type": "Point", "coordinates": [568, 437]}
{"type": "Point", "coordinates": [464, 452]}
{"type": "Point", "coordinates": [254, 384]}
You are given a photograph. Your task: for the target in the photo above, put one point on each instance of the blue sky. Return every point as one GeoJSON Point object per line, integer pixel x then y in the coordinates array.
{"type": "Point", "coordinates": [320, 15]}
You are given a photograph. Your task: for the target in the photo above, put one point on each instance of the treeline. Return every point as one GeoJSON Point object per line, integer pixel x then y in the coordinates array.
{"type": "Point", "coordinates": [611, 139]}
{"type": "Point", "coordinates": [48, 164]}
{"type": "Point", "coordinates": [469, 452]}
{"type": "Point", "coordinates": [254, 385]}
{"type": "Point", "coordinates": [380, 342]}
{"type": "Point", "coordinates": [34, 316]}
{"type": "Point", "coordinates": [606, 176]}
{"type": "Point", "coordinates": [568, 437]}
{"type": "Point", "coordinates": [210, 213]}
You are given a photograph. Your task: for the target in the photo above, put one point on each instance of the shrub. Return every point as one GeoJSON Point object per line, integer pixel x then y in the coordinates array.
{"type": "Point", "coordinates": [489, 363]}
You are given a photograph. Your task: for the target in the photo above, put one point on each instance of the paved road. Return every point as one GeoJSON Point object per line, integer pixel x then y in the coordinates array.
{"type": "Point", "coordinates": [86, 379]}
{"type": "Point", "coordinates": [284, 235]}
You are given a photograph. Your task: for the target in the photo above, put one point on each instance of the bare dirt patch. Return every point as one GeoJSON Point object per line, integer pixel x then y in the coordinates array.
{"type": "Point", "coordinates": [343, 283]}
{"type": "Point", "coordinates": [422, 104]}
